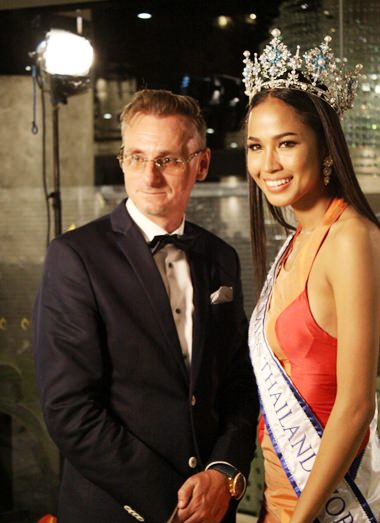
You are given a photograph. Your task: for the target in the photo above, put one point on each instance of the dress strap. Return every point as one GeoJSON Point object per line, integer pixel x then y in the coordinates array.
{"type": "Point", "coordinates": [318, 236]}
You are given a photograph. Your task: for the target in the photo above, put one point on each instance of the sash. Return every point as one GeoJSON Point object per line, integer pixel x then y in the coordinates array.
{"type": "Point", "coordinates": [296, 433]}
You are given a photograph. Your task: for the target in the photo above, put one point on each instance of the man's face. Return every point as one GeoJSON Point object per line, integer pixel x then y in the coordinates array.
{"type": "Point", "coordinates": [160, 196]}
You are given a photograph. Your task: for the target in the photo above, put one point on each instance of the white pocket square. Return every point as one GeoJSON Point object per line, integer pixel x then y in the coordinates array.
{"type": "Point", "coordinates": [222, 295]}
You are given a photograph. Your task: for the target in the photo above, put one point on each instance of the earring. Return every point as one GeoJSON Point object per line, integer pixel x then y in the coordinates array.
{"type": "Point", "coordinates": [327, 169]}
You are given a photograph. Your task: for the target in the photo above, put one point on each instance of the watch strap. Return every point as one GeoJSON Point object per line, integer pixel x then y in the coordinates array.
{"type": "Point", "coordinates": [224, 468]}
{"type": "Point", "coordinates": [231, 473]}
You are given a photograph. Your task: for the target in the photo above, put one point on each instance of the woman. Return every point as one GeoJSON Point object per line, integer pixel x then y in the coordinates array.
{"type": "Point", "coordinates": [315, 331]}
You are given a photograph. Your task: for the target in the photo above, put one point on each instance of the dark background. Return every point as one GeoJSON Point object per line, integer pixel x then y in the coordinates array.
{"type": "Point", "coordinates": [181, 37]}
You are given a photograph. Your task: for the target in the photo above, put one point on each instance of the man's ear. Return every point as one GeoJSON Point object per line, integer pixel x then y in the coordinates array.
{"type": "Point", "coordinates": [203, 165]}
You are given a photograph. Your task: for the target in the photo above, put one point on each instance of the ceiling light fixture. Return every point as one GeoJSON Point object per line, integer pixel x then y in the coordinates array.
{"type": "Point", "coordinates": [224, 21]}
{"type": "Point", "coordinates": [144, 16]}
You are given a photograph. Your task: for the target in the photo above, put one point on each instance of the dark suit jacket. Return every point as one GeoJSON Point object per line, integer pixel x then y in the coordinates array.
{"type": "Point", "coordinates": [130, 420]}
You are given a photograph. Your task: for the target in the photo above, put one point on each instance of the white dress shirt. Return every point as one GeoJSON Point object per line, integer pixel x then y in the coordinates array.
{"type": "Point", "coordinates": [174, 268]}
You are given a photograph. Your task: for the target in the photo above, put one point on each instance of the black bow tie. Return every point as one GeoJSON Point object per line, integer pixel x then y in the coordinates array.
{"type": "Point", "coordinates": [183, 242]}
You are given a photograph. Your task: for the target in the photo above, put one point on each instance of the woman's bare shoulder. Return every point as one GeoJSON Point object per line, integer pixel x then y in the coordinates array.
{"type": "Point", "coordinates": [353, 243]}
{"type": "Point", "coordinates": [353, 228]}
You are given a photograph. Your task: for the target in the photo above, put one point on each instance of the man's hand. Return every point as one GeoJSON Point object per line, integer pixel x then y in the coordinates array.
{"type": "Point", "coordinates": [203, 498]}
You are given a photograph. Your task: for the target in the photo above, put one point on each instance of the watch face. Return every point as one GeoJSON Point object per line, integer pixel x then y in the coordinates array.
{"type": "Point", "coordinates": [238, 485]}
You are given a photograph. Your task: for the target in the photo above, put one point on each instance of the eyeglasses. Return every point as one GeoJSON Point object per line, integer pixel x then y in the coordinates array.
{"type": "Point", "coordinates": [167, 164]}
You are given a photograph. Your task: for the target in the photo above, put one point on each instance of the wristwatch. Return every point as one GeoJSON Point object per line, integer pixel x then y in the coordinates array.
{"type": "Point", "coordinates": [237, 483]}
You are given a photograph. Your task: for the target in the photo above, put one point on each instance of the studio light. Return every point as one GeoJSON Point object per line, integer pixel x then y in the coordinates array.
{"type": "Point", "coordinates": [65, 59]}
{"type": "Point", "coordinates": [62, 67]}
{"type": "Point", "coordinates": [64, 53]}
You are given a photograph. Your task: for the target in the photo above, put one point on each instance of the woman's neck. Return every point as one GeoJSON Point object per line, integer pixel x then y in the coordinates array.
{"type": "Point", "coordinates": [311, 217]}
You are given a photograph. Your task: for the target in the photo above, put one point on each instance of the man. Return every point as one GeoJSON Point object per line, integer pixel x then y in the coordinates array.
{"type": "Point", "coordinates": [141, 353]}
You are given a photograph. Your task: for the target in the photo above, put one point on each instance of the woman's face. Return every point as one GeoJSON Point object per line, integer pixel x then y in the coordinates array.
{"type": "Point", "coordinates": [284, 157]}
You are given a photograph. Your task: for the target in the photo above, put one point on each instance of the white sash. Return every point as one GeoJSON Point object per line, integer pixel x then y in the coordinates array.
{"type": "Point", "coordinates": [296, 433]}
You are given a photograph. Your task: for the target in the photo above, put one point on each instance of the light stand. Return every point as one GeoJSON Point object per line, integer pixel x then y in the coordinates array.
{"type": "Point", "coordinates": [63, 62]}
{"type": "Point", "coordinates": [56, 194]}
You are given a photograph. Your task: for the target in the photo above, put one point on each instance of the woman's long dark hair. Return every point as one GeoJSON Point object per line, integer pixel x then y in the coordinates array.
{"type": "Point", "coordinates": [320, 117]}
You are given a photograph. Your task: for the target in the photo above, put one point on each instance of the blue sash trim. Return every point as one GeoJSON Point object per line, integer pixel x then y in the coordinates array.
{"type": "Point", "coordinates": [355, 465]}
{"type": "Point", "coordinates": [361, 499]}
{"type": "Point", "coordinates": [278, 451]}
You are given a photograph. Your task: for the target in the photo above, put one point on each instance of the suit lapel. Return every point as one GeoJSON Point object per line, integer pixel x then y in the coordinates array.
{"type": "Point", "coordinates": [135, 249]}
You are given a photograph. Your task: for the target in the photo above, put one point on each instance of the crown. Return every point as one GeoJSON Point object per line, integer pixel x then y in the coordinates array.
{"type": "Point", "coordinates": [317, 72]}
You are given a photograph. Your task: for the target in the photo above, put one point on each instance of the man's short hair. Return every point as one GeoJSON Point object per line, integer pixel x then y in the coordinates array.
{"type": "Point", "coordinates": [160, 102]}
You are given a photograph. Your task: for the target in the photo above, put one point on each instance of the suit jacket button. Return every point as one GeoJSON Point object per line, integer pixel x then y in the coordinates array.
{"type": "Point", "coordinates": [193, 462]}
{"type": "Point", "coordinates": [193, 400]}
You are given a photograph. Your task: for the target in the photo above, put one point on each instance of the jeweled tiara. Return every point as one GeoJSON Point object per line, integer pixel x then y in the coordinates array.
{"type": "Point", "coordinates": [317, 72]}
